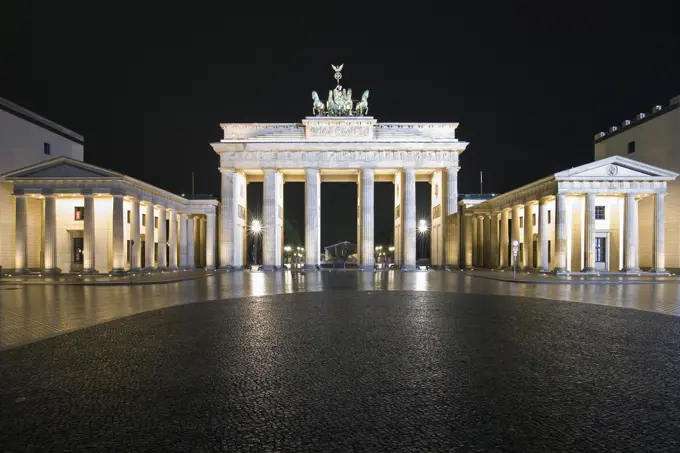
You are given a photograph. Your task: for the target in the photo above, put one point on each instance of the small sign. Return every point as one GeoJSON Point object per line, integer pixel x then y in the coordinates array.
{"type": "Point", "coordinates": [515, 248]}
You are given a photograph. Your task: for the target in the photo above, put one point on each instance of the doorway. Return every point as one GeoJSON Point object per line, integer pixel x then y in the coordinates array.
{"type": "Point", "coordinates": [77, 255]}
{"type": "Point", "coordinates": [601, 252]}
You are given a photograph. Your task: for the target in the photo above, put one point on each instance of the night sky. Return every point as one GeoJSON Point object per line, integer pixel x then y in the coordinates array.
{"type": "Point", "coordinates": [148, 84]}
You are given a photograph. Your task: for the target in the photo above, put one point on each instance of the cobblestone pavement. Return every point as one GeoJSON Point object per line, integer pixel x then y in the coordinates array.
{"type": "Point", "coordinates": [30, 313]}
{"type": "Point", "coordinates": [351, 371]}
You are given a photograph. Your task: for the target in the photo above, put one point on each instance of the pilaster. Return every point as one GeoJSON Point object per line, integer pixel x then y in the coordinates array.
{"type": "Point", "coordinates": [89, 241]}
{"type": "Point", "coordinates": [367, 220]}
{"type": "Point", "coordinates": [409, 221]}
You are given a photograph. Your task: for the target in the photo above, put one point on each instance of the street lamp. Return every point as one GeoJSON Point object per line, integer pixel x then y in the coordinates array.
{"type": "Point", "coordinates": [422, 230]}
{"type": "Point", "coordinates": [255, 231]}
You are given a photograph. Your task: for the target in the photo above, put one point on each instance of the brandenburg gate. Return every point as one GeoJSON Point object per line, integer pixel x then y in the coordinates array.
{"type": "Point", "coordinates": [340, 143]}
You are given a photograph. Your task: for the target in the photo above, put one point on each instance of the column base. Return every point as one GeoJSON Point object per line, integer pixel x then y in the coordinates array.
{"type": "Point", "coordinates": [209, 268]}
{"type": "Point", "coordinates": [118, 271]}
{"type": "Point", "coordinates": [631, 270]}
{"type": "Point", "coordinates": [408, 267]}
{"type": "Point", "coordinates": [660, 271]}
{"type": "Point", "coordinates": [544, 270]}
{"type": "Point", "coordinates": [187, 268]}
{"type": "Point", "coordinates": [268, 267]}
{"type": "Point", "coordinates": [562, 271]}
{"type": "Point", "coordinates": [50, 272]}
{"type": "Point", "coordinates": [590, 270]}
{"type": "Point", "coordinates": [89, 271]}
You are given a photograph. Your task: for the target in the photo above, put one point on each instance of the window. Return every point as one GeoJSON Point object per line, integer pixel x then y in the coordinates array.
{"type": "Point", "coordinates": [549, 250]}
{"type": "Point", "coordinates": [128, 249]}
{"type": "Point", "coordinates": [155, 222]}
{"type": "Point", "coordinates": [631, 147]}
{"type": "Point", "coordinates": [521, 222]}
{"type": "Point", "coordinates": [533, 219]}
{"type": "Point", "coordinates": [599, 212]}
{"type": "Point", "coordinates": [155, 252]}
{"type": "Point", "coordinates": [79, 213]}
{"type": "Point", "coordinates": [47, 148]}
{"type": "Point", "coordinates": [128, 216]}
{"type": "Point", "coordinates": [143, 219]}
{"type": "Point", "coordinates": [549, 216]}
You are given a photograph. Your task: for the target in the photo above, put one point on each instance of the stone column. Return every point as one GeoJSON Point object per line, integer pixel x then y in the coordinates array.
{"type": "Point", "coordinates": [204, 241]}
{"type": "Point", "coordinates": [589, 234]}
{"type": "Point", "coordinates": [312, 218]}
{"type": "Point", "coordinates": [191, 243]}
{"type": "Point", "coordinates": [528, 237]}
{"type": "Point", "coordinates": [468, 234]}
{"type": "Point", "coordinates": [21, 243]}
{"type": "Point", "coordinates": [149, 237]}
{"type": "Point", "coordinates": [183, 241]}
{"type": "Point", "coordinates": [367, 220]}
{"type": "Point", "coordinates": [172, 239]}
{"type": "Point", "coordinates": [89, 235]}
{"type": "Point", "coordinates": [409, 221]}
{"type": "Point", "coordinates": [269, 220]}
{"type": "Point", "coordinates": [227, 218]}
{"type": "Point", "coordinates": [561, 233]}
{"type": "Point", "coordinates": [451, 190]}
{"type": "Point", "coordinates": [198, 245]}
{"type": "Point", "coordinates": [543, 262]}
{"type": "Point", "coordinates": [516, 233]}
{"type": "Point", "coordinates": [50, 238]}
{"type": "Point", "coordinates": [486, 262]}
{"type": "Point", "coordinates": [480, 241]}
{"type": "Point", "coordinates": [136, 250]}
{"type": "Point", "coordinates": [630, 243]}
{"type": "Point", "coordinates": [503, 254]}
{"type": "Point", "coordinates": [475, 241]}
{"type": "Point", "coordinates": [659, 235]}
{"type": "Point", "coordinates": [493, 241]}
{"type": "Point", "coordinates": [118, 235]}
{"type": "Point", "coordinates": [210, 241]}
{"type": "Point", "coordinates": [162, 239]}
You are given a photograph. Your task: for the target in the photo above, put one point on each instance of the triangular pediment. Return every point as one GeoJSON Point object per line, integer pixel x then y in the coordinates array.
{"type": "Point", "coordinates": [616, 167]}
{"type": "Point", "coordinates": [61, 168]}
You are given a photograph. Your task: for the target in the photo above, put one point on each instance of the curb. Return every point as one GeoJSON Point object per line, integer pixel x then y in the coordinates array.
{"type": "Point", "coordinates": [117, 283]}
{"type": "Point", "coordinates": [580, 282]}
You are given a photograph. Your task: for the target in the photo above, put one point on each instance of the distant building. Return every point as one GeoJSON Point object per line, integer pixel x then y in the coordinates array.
{"type": "Point", "coordinates": [27, 138]}
{"type": "Point", "coordinates": [59, 214]}
{"type": "Point", "coordinates": [651, 137]}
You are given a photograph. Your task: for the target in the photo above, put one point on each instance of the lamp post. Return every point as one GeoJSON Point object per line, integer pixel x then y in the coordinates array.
{"type": "Point", "coordinates": [255, 230]}
{"type": "Point", "coordinates": [422, 230]}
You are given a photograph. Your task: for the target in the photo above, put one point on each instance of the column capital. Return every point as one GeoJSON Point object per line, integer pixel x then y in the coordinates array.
{"type": "Point", "coordinates": [226, 170]}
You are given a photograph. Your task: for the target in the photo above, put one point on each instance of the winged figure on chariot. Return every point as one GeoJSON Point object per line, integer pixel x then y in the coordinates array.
{"type": "Point", "coordinates": [340, 102]}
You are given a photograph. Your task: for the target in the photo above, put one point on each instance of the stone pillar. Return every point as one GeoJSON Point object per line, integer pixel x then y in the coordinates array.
{"type": "Point", "coordinates": [630, 243]}
{"type": "Point", "coordinates": [136, 248]}
{"type": "Point", "coordinates": [183, 241]}
{"type": "Point", "coordinates": [409, 221]}
{"type": "Point", "coordinates": [89, 235]}
{"type": "Point", "coordinates": [543, 262]}
{"type": "Point", "coordinates": [118, 235]}
{"type": "Point", "coordinates": [659, 234]}
{"type": "Point", "coordinates": [451, 207]}
{"type": "Point", "coordinates": [528, 237]}
{"type": "Point", "coordinates": [468, 234]}
{"type": "Point", "coordinates": [367, 220]}
{"type": "Point", "coordinates": [475, 241]}
{"type": "Point", "coordinates": [589, 234]}
{"type": "Point", "coordinates": [162, 239]}
{"type": "Point", "coordinates": [197, 242]}
{"type": "Point", "coordinates": [149, 237]}
{"type": "Point", "coordinates": [21, 243]}
{"type": "Point", "coordinates": [269, 220]}
{"type": "Point", "coordinates": [227, 218]}
{"type": "Point", "coordinates": [172, 239]}
{"type": "Point", "coordinates": [209, 223]}
{"type": "Point", "coordinates": [487, 241]}
{"type": "Point", "coordinates": [204, 241]}
{"type": "Point", "coordinates": [191, 243]}
{"type": "Point", "coordinates": [480, 241]}
{"type": "Point", "coordinates": [451, 190]}
{"type": "Point", "coordinates": [561, 233]}
{"type": "Point", "coordinates": [493, 241]}
{"type": "Point", "coordinates": [312, 218]}
{"type": "Point", "coordinates": [503, 254]}
{"type": "Point", "coordinates": [50, 238]}
{"type": "Point", "coordinates": [516, 233]}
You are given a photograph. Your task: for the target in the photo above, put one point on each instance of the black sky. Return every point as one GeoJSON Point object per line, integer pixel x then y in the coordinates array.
{"type": "Point", "coordinates": [148, 84]}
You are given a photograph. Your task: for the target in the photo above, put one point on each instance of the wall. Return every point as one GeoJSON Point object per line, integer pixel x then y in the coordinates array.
{"type": "Point", "coordinates": [657, 142]}
{"type": "Point", "coordinates": [437, 224]}
{"type": "Point", "coordinates": [34, 213]}
{"type": "Point", "coordinates": [21, 143]}
{"type": "Point", "coordinates": [7, 222]}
